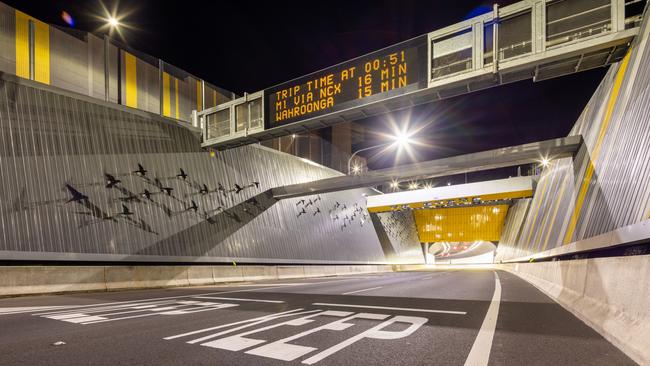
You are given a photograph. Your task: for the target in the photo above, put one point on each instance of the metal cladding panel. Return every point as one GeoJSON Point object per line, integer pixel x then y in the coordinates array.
{"type": "Point", "coordinates": [401, 231]}
{"type": "Point", "coordinates": [7, 39]}
{"type": "Point", "coordinates": [53, 145]}
{"type": "Point", "coordinates": [607, 185]}
{"type": "Point", "coordinates": [68, 62]}
{"type": "Point", "coordinates": [96, 59]}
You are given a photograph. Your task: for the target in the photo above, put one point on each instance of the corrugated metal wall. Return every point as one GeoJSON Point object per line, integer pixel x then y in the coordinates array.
{"type": "Point", "coordinates": [607, 185]}
{"type": "Point", "coordinates": [74, 61]}
{"type": "Point", "coordinates": [50, 139]}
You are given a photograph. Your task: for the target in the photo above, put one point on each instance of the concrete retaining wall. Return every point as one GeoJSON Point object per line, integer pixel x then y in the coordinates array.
{"type": "Point", "coordinates": [612, 295]}
{"type": "Point", "coordinates": [26, 280]}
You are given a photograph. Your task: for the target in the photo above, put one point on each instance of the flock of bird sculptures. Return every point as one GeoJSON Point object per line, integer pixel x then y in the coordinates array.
{"type": "Point", "coordinates": [338, 212]}
{"type": "Point", "coordinates": [345, 214]}
{"type": "Point", "coordinates": [156, 187]}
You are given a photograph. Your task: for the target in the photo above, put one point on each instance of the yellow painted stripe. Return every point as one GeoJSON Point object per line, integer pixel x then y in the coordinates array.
{"type": "Point", "coordinates": [584, 187]}
{"type": "Point", "coordinates": [199, 100]}
{"type": "Point", "coordinates": [41, 52]}
{"type": "Point", "coordinates": [131, 79]}
{"type": "Point", "coordinates": [558, 199]}
{"type": "Point", "coordinates": [542, 194]}
{"type": "Point", "coordinates": [166, 97]}
{"type": "Point", "coordinates": [22, 45]}
{"type": "Point", "coordinates": [176, 97]}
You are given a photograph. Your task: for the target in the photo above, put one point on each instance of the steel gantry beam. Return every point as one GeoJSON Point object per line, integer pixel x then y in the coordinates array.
{"type": "Point", "coordinates": [492, 159]}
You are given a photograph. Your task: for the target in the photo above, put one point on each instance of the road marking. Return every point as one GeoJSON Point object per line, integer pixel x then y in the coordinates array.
{"type": "Point", "coordinates": [28, 309]}
{"type": "Point", "coordinates": [238, 299]}
{"type": "Point", "coordinates": [480, 352]}
{"type": "Point", "coordinates": [392, 308]}
{"type": "Point", "coordinates": [427, 277]}
{"type": "Point", "coordinates": [231, 324]}
{"type": "Point", "coordinates": [249, 325]}
{"type": "Point", "coordinates": [373, 333]}
{"type": "Point", "coordinates": [368, 289]}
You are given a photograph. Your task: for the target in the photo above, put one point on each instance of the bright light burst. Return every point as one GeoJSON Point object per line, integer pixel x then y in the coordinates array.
{"type": "Point", "coordinates": [113, 22]}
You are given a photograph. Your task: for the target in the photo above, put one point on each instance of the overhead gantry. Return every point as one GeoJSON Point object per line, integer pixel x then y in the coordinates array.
{"type": "Point", "coordinates": [531, 39]}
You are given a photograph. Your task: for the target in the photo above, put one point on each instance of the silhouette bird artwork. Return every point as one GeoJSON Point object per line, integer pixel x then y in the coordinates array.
{"type": "Point", "coordinates": [182, 175]}
{"type": "Point", "coordinates": [237, 188]}
{"type": "Point", "coordinates": [317, 211]}
{"type": "Point", "coordinates": [301, 212]}
{"type": "Point", "coordinates": [146, 194]}
{"type": "Point", "coordinates": [193, 207]}
{"type": "Point", "coordinates": [204, 190]}
{"type": "Point", "coordinates": [76, 195]}
{"type": "Point", "coordinates": [111, 181]}
{"type": "Point", "coordinates": [256, 184]}
{"type": "Point", "coordinates": [309, 203]}
{"type": "Point", "coordinates": [300, 202]}
{"type": "Point", "coordinates": [221, 188]}
{"type": "Point", "coordinates": [166, 190]}
{"type": "Point", "coordinates": [125, 211]}
{"type": "Point", "coordinates": [337, 205]}
{"type": "Point", "coordinates": [141, 171]}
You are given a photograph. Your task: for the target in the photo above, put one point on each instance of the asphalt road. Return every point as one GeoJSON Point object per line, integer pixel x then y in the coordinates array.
{"type": "Point", "coordinates": [442, 317]}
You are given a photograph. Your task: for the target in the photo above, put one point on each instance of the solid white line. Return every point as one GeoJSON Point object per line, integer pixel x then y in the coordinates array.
{"type": "Point", "coordinates": [237, 299]}
{"type": "Point", "coordinates": [368, 289]}
{"type": "Point", "coordinates": [392, 308]}
{"type": "Point", "coordinates": [480, 352]}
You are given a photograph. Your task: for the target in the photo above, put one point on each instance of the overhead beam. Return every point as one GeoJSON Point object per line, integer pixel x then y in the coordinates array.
{"type": "Point", "coordinates": [485, 160]}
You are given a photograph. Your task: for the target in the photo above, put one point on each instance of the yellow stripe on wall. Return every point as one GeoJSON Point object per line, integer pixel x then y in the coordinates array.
{"type": "Point", "coordinates": [176, 97]}
{"type": "Point", "coordinates": [41, 48]}
{"type": "Point", "coordinates": [586, 182]}
{"type": "Point", "coordinates": [42, 52]}
{"type": "Point", "coordinates": [166, 97]}
{"type": "Point", "coordinates": [131, 79]}
{"type": "Point", "coordinates": [22, 45]}
{"type": "Point", "coordinates": [199, 99]}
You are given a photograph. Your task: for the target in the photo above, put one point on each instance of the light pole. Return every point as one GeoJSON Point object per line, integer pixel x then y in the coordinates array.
{"type": "Point", "coordinates": [400, 140]}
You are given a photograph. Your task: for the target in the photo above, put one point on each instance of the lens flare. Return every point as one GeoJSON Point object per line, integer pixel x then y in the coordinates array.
{"type": "Point", "coordinates": [67, 18]}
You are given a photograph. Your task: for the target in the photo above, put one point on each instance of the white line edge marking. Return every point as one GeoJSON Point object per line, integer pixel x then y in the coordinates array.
{"type": "Point", "coordinates": [480, 352]}
{"type": "Point", "coordinates": [367, 289]}
{"type": "Point", "coordinates": [237, 299]}
{"type": "Point", "coordinates": [391, 308]}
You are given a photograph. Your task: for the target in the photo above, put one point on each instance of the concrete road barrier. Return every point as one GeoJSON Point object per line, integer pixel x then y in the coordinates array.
{"type": "Point", "coordinates": [611, 295]}
{"type": "Point", "coordinates": [24, 280]}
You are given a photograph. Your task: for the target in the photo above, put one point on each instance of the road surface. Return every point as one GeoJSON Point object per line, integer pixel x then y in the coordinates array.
{"type": "Point", "coordinates": [437, 317]}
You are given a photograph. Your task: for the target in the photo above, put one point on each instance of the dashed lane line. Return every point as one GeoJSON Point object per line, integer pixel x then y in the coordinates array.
{"type": "Point", "coordinates": [391, 308]}
{"type": "Point", "coordinates": [364, 290]}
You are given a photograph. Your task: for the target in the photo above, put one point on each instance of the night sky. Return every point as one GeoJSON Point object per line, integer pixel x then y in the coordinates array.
{"type": "Point", "coordinates": [245, 47]}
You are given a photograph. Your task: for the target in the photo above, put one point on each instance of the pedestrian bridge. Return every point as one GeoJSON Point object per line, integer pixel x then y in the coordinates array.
{"type": "Point", "coordinates": [531, 39]}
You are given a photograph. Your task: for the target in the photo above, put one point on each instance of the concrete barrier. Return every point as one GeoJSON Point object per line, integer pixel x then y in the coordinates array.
{"type": "Point", "coordinates": [223, 274]}
{"type": "Point", "coordinates": [291, 272]}
{"type": "Point", "coordinates": [612, 295]}
{"type": "Point", "coordinates": [200, 275]}
{"type": "Point", "coordinates": [130, 277]}
{"type": "Point", "coordinates": [25, 280]}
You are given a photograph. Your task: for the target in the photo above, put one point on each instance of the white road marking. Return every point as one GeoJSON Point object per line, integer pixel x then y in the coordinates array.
{"type": "Point", "coordinates": [231, 324]}
{"type": "Point", "coordinates": [480, 352]}
{"type": "Point", "coordinates": [392, 308]}
{"type": "Point", "coordinates": [238, 299]}
{"type": "Point", "coordinates": [282, 350]}
{"type": "Point", "coordinates": [367, 289]}
{"type": "Point", "coordinates": [373, 333]}
{"type": "Point", "coordinates": [28, 309]}
{"type": "Point", "coordinates": [249, 325]}
{"type": "Point", "coordinates": [427, 277]}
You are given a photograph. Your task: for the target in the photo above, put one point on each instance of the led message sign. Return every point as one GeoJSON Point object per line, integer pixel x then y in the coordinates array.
{"type": "Point", "coordinates": [379, 75]}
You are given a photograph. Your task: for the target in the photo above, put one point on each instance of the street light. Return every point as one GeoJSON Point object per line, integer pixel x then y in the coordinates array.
{"type": "Point", "coordinates": [401, 140]}
{"type": "Point", "coordinates": [113, 22]}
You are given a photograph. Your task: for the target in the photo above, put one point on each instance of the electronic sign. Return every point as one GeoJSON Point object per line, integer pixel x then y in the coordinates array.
{"type": "Point", "coordinates": [386, 73]}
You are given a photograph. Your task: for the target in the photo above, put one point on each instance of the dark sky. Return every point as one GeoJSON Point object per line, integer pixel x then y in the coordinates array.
{"type": "Point", "coordinates": [244, 47]}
